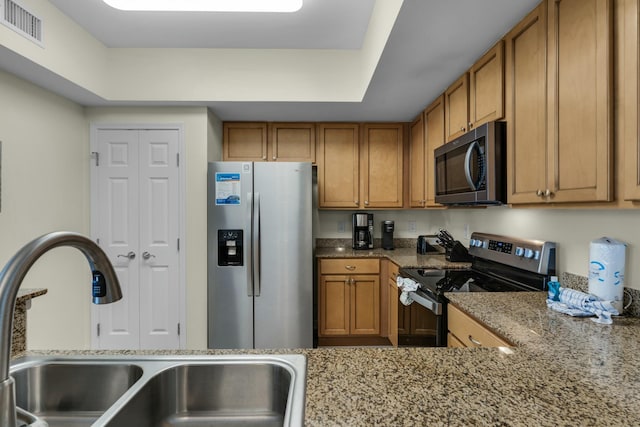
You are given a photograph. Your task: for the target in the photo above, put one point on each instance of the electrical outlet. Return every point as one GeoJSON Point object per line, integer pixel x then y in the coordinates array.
{"type": "Point", "coordinates": [412, 226]}
{"type": "Point", "coordinates": [341, 225]}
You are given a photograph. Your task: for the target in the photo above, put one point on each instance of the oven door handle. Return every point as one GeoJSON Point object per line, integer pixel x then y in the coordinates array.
{"type": "Point", "coordinates": [426, 302]}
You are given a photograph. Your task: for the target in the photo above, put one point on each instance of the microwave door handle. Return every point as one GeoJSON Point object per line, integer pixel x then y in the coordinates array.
{"type": "Point", "coordinates": [467, 165]}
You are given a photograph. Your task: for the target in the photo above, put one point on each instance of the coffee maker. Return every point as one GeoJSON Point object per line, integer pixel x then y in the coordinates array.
{"type": "Point", "coordinates": [387, 234]}
{"type": "Point", "coordinates": [362, 231]}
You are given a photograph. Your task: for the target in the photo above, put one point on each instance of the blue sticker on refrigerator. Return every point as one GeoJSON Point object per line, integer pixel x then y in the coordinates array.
{"type": "Point", "coordinates": [227, 188]}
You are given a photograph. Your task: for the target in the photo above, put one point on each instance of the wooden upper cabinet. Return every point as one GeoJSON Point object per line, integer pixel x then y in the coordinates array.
{"type": "Point", "coordinates": [579, 127]}
{"type": "Point", "coordinates": [382, 157]}
{"type": "Point", "coordinates": [457, 108]}
{"type": "Point", "coordinates": [631, 78]}
{"type": "Point", "coordinates": [244, 141]}
{"type": "Point", "coordinates": [417, 164]}
{"type": "Point", "coordinates": [338, 165]}
{"type": "Point", "coordinates": [261, 141]}
{"type": "Point", "coordinates": [434, 138]}
{"type": "Point", "coordinates": [427, 134]}
{"type": "Point", "coordinates": [486, 87]}
{"type": "Point", "coordinates": [292, 142]}
{"type": "Point", "coordinates": [526, 107]}
{"type": "Point", "coordinates": [477, 96]}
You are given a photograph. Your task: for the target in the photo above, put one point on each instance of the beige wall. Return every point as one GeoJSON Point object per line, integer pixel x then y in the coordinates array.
{"type": "Point", "coordinates": [45, 166]}
{"type": "Point", "coordinates": [572, 229]}
{"type": "Point", "coordinates": [45, 187]}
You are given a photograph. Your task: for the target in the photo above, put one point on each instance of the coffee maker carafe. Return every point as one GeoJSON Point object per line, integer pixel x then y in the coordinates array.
{"type": "Point", "coordinates": [362, 231]}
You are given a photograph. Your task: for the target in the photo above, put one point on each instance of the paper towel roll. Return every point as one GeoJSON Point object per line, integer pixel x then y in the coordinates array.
{"type": "Point", "coordinates": [607, 259]}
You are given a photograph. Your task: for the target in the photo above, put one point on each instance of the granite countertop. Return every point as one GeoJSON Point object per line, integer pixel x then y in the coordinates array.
{"type": "Point", "coordinates": [28, 293]}
{"type": "Point", "coordinates": [564, 372]}
{"type": "Point", "coordinates": [404, 257]}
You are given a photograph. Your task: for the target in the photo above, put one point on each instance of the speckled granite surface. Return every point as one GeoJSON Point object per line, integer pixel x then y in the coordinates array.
{"type": "Point", "coordinates": [565, 372]}
{"type": "Point", "coordinates": [19, 337]}
{"type": "Point", "coordinates": [404, 257]}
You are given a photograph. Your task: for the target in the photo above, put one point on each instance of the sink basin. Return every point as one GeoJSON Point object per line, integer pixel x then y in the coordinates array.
{"type": "Point", "coordinates": [146, 391]}
{"type": "Point", "coordinates": [72, 393]}
{"type": "Point", "coordinates": [244, 394]}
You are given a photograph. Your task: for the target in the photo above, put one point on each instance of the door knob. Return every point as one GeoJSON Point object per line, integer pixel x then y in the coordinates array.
{"type": "Point", "coordinates": [147, 255]}
{"type": "Point", "coordinates": [130, 255]}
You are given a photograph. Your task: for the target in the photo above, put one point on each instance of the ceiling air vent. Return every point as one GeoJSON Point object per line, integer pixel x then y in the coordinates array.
{"type": "Point", "coordinates": [22, 21]}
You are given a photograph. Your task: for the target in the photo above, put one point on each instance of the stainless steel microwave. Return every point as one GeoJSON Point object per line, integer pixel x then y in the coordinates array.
{"type": "Point", "coordinates": [471, 170]}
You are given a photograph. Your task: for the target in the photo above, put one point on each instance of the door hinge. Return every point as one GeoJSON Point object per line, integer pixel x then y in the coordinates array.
{"type": "Point", "coordinates": [98, 329]}
{"type": "Point", "coordinates": [178, 329]}
{"type": "Point", "coordinates": [178, 242]}
{"type": "Point", "coordinates": [96, 155]}
{"type": "Point", "coordinates": [178, 159]}
{"type": "Point", "coordinates": [98, 241]}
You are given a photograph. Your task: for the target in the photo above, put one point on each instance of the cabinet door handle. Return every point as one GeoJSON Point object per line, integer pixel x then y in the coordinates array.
{"type": "Point", "coordinates": [350, 267]}
{"type": "Point", "coordinates": [548, 193]}
{"type": "Point", "coordinates": [474, 341]}
{"type": "Point", "coordinates": [462, 129]}
{"type": "Point", "coordinates": [346, 281]}
{"type": "Point", "coordinates": [274, 158]}
{"type": "Point", "coordinates": [539, 193]}
{"type": "Point", "coordinates": [356, 202]}
{"type": "Point", "coordinates": [351, 281]}
{"type": "Point", "coordinates": [366, 203]}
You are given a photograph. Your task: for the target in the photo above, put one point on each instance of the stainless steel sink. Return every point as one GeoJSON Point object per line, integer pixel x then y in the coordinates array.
{"type": "Point", "coordinates": [211, 394]}
{"type": "Point", "coordinates": [265, 390]}
{"type": "Point", "coordinates": [72, 393]}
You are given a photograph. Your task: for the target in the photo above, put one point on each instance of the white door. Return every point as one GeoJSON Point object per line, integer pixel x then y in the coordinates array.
{"type": "Point", "coordinates": [136, 214]}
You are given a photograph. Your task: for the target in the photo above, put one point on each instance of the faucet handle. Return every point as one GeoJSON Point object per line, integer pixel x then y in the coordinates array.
{"type": "Point", "coordinates": [131, 255]}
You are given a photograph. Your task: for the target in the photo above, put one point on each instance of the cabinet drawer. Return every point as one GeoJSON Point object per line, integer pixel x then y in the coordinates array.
{"type": "Point", "coordinates": [470, 332]}
{"type": "Point", "coordinates": [350, 265]}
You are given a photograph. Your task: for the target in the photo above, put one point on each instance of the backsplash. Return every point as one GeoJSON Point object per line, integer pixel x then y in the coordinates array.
{"type": "Point", "coordinates": [377, 243]}
{"type": "Point", "coordinates": [581, 283]}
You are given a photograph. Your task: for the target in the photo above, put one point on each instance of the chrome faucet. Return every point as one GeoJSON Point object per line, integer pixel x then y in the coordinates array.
{"type": "Point", "coordinates": [106, 289]}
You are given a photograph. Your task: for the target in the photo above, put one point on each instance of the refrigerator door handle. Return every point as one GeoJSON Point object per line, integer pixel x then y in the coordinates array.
{"type": "Point", "coordinates": [256, 244]}
{"type": "Point", "coordinates": [249, 252]}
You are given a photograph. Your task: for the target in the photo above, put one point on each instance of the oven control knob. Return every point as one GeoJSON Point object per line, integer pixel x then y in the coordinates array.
{"type": "Point", "coordinates": [472, 243]}
{"type": "Point", "coordinates": [519, 251]}
{"type": "Point", "coordinates": [528, 253]}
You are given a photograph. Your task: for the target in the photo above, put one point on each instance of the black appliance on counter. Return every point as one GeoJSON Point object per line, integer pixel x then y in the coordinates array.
{"type": "Point", "coordinates": [387, 234]}
{"type": "Point", "coordinates": [499, 264]}
{"type": "Point", "coordinates": [362, 230]}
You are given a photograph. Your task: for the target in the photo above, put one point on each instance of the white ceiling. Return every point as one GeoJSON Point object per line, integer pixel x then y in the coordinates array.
{"type": "Point", "coordinates": [320, 24]}
{"type": "Point", "coordinates": [431, 44]}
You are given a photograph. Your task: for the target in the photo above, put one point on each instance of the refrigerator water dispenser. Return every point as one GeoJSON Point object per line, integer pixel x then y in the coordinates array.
{"type": "Point", "coordinates": [230, 247]}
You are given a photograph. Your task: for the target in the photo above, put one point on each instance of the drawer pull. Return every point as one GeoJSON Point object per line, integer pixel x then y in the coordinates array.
{"type": "Point", "coordinates": [350, 267]}
{"type": "Point", "coordinates": [474, 341]}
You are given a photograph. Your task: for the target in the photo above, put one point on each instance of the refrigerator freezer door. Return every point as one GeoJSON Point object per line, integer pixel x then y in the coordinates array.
{"type": "Point", "coordinates": [284, 306]}
{"type": "Point", "coordinates": [230, 300]}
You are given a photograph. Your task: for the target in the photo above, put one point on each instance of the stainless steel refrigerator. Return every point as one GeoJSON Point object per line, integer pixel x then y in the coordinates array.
{"type": "Point", "coordinates": [260, 261]}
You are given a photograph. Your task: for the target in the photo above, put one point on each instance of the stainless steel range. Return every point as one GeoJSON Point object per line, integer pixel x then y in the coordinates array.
{"type": "Point", "coordinates": [499, 264]}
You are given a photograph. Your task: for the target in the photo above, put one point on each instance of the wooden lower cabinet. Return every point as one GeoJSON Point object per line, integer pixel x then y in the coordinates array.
{"type": "Point", "coordinates": [390, 274]}
{"type": "Point", "coordinates": [465, 331]}
{"type": "Point", "coordinates": [349, 304]}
